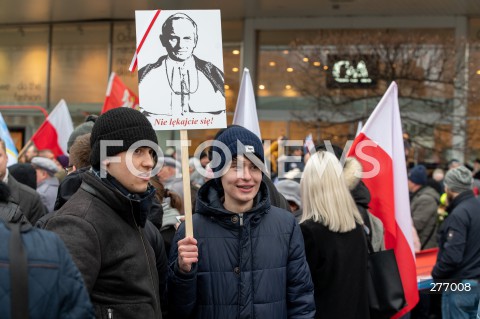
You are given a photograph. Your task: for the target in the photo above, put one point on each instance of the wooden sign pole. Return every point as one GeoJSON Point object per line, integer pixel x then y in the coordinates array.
{"type": "Point", "coordinates": [187, 198]}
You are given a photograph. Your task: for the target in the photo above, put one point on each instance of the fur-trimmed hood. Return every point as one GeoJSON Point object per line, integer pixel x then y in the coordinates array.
{"type": "Point", "coordinates": [352, 172]}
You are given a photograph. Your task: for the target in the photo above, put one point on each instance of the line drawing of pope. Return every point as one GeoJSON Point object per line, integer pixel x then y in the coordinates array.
{"type": "Point", "coordinates": [180, 83]}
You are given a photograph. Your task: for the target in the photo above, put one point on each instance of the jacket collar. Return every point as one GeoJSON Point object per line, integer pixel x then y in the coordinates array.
{"type": "Point", "coordinates": [460, 198]}
{"type": "Point", "coordinates": [209, 202]}
{"type": "Point", "coordinates": [133, 208]}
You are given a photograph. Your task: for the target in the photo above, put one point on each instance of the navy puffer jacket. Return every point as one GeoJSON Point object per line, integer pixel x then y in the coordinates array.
{"type": "Point", "coordinates": [55, 286]}
{"type": "Point", "coordinates": [251, 265]}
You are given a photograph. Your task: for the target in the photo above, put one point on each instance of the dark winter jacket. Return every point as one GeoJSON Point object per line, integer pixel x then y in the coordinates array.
{"type": "Point", "coordinates": [338, 263]}
{"type": "Point", "coordinates": [251, 265]}
{"type": "Point", "coordinates": [103, 230]}
{"type": "Point", "coordinates": [70, 184]}
{"type": "Point", "coordinates": [424, 205]}
{"type": "Point", "coordinates": [28, 200]}
{"type": "Point", "coordinates": [55, 286]}
{"type": "Point", "coordinates": [10, 211]}
{"type": "Point", "coordinates": [459, 240]}
{"type": "Point", "coordinates": [361, 196]}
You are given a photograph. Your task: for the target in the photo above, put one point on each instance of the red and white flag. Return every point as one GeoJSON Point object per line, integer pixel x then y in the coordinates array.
{"type": "Point", "coordinates": [379, 147]}
{"type": "Point", "coordinates": [53, 134]}
{"type": "Point", "coordinates": [118, 95]}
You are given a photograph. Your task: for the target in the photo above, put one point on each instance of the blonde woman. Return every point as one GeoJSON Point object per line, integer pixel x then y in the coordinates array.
{"type": "Point", "coordinates": [335, 243]}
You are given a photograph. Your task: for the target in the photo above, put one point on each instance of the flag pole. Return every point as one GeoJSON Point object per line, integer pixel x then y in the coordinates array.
{"type": "Point", "coordinates": [24, 148]}
{"type": "Point", "coordinates": [187, 198]}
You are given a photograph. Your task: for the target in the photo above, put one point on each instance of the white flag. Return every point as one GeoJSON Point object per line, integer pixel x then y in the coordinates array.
{"type": "Point", "coordinates": [359, 128]}
{"type": "Point", "coordinates": [246, 110]}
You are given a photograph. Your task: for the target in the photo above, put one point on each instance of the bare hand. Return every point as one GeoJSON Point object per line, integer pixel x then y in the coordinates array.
{"type": "Point", "coordinates": [187, 253]}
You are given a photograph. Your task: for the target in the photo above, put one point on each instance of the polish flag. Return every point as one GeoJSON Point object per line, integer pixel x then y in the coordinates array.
{"type": "Point", "coordinates": [53, 134]}
{"type": "Point", "coordinates": [118, 95]}
{"type": "Point", "coordinates": [246, 109]}
{"type": "Point", "coordinates": [379, 147]}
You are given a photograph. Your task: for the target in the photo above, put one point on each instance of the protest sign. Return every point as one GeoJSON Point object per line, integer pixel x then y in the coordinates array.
{"type": "Point", "coordinates": [180, 76]}
{"type": "Point", "coordinates": [180, 69]}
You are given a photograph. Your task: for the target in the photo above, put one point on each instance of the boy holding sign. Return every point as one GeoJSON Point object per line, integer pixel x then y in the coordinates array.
{"type": "Point", "coordinates": [246, 258]}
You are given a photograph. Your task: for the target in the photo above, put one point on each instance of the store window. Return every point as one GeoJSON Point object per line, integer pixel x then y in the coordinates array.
{"type": "Point", "coordinates": [330, 80]}
{"type": "Point", "coordinates": [23, 65]}
{"type": "Point", "coordinates": [79, 67]}
{"type": "Point", "coordinates": [473, 113]}
{"type": "Point", "coordinates": [122, 53]}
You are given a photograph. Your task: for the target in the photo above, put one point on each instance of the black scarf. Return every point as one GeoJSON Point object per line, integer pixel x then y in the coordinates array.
{"type": "Point", "coordinates": [143, 201]}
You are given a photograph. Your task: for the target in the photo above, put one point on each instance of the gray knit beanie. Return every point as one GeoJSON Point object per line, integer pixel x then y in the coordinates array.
{"type": "Point", "coordinates": [80, 130]}
{"type": "Point", "coordinates": [290, 190]}
{"type": "Point", "coordinates": [459, 179]}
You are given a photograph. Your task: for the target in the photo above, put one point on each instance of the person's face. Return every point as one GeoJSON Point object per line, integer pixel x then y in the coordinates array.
{"type": "Point", "coordinates": [166, 172]}
{"type": "Point", "coordinates": [297, 152]}
{"type": "Point", "coordinates": [450, 195]}
{"type": "Point", "coordinates": [3, 162]}
{"type": "Point", "coordinates": [293, 206]}
{"type": "Point", "coordinates": [41, 175]}
{"type": "Point", "coordinates": [241, 184]}
{"type": "Point", "coordinates": [204, 161]}
{"type": "Point", "coordinates": [30, 153]}
{"type": "Point", "coordinates": [411, 186]}
{"type": "Point", "coordinates": [180, 42]}
{"type": "Point", "coordinates": [133, 181]}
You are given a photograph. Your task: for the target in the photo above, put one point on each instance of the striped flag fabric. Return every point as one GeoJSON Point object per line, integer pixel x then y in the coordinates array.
{"type": "Point", "coordinates": [246, 109]}
{"type": "Point", "coordinates": [53, 134]}
{"type": "Point", "coordinates": [118, 95]}
{"type": "Point", "coordinates": [12, 152]}
{"type": "Point", "coordinates": [379, 147]}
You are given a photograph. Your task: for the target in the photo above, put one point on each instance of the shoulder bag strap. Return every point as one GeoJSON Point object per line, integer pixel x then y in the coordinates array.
{"type": "Point", "coordinates": [18, 274]}
{"type": "Point", "coordinates": [429, 236]}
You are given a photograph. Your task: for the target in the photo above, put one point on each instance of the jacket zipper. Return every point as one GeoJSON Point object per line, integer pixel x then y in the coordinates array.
{"type": "Point", "coordinates": [148, 262]}
{"type": "Point", "coordinates": [240, 218]}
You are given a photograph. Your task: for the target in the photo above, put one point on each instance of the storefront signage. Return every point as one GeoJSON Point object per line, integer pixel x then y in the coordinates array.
{"type": "Point", "coordinates": [351, 71]}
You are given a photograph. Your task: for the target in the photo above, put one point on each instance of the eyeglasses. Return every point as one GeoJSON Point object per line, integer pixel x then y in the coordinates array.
{"type": "Point", "coordinates": [69, 169]}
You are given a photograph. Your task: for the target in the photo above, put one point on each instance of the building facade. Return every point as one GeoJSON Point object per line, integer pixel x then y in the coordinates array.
{"type": "Point", "coordinates": [320, 74]}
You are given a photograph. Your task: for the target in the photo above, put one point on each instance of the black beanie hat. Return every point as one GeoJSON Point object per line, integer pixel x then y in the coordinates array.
{"type": "Point", "coordinates": [123, 123]}
{"type": "Point", "coordinates": [250, 143]}
{"type": "Point", "coordinates": [418, 175]}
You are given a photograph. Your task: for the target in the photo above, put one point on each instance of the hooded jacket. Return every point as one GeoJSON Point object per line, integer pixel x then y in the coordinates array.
{"type": "Point", "coordinates": [28, 200]}
{"type": "Point", "coordinates": [103, 230]}
{"type": "Point", "coordinates": [251, 265]}
{"type": "Point", "coordinates": [424, 204]}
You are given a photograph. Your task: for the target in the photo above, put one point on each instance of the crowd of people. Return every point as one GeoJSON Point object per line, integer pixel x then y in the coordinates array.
{"type": "Point", "coordinates": [109, 240]}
